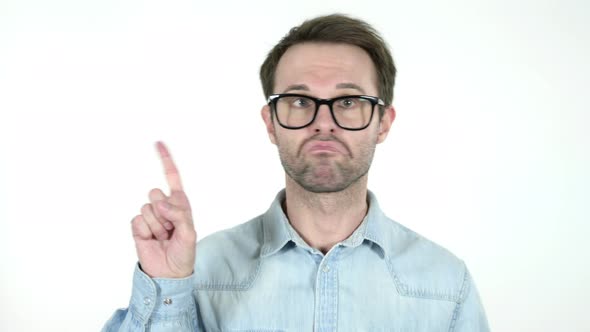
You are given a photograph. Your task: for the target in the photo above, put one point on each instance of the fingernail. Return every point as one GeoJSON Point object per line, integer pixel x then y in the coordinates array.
{"type": "Point", "coordinates": [168, 225]}
{"type": "Point", "coordinates": [164, 205]}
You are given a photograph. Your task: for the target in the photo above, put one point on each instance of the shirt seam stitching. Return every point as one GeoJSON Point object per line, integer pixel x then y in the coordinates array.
{"type": "Point", "coordinates": [462, 295]}
{"type": "Point", "coordinates": [242, 286]}
{"type": "Point", "coordinates": [406, 291]}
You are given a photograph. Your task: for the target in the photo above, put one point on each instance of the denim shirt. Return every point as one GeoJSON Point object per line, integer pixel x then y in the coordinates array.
{"type": "Point", "coordinates": [261, 276]}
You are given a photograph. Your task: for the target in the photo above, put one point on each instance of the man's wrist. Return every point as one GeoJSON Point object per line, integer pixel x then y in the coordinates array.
{"type": "Point", "coordinates": [163, 298]}
{"type": "Point", "coordinates": [179, 276]}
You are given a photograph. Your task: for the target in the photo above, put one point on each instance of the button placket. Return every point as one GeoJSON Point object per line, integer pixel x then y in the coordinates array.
{"type": "Point", "coordinates": [326, 306]}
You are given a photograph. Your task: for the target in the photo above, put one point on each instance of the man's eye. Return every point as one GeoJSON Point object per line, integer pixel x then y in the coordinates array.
{"type": "Point", "coordinates": [301, 102]}
{"type": "Point", "coordinates": [347, 103]}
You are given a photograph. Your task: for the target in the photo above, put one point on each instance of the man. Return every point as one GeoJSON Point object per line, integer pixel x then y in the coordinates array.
{"type": "Point", "coordinates": [324, 257]}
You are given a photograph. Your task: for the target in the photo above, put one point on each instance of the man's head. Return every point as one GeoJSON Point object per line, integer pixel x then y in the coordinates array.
{"type": "Point", "coordinates": [325, 58]}
{"type": "Point", "coordinates": [335, 29]}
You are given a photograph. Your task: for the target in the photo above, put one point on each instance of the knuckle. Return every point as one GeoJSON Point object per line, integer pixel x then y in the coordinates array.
{"type": "Point", "coordinates": [155, 194]}
{"type": "Point", "coordinates": [139, 222]}
{"type": "Point", "coordinates": [136, 228]}
{"type": "Point", "coordinates": [156, 229]}
{"type": "Point", "coordinates": [139, 228]}
{"type": "Point", "coordinates": [134, 223]}
{"type": "Point", "coordinates": [178, 196]}
{"type": "Point", "coordinates": [146, 209]}
{"type": "Point", "coordinates": [178, 214]}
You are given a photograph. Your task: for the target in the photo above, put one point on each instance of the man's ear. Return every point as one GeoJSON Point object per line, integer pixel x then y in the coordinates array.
{"type": "Point", "coordinates": [385, 123]}
{"type": "Point", "coordinates": [268, 122]}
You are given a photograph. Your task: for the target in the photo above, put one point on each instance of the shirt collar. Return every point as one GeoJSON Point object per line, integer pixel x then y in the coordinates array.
{"type": "Point", "coordinates": [274, 227]}
{"type": "Point", "coordinates": [376, 223]}
{"type": "Point", "coordinates": [278, 231]}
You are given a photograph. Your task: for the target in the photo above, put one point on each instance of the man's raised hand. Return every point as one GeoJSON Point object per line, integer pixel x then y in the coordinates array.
{"type": "Point", "coordinates": [164, 232]}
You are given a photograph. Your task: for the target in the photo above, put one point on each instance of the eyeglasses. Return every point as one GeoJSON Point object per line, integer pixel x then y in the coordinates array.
{"type": "Point", "coordinates": [296, 111]}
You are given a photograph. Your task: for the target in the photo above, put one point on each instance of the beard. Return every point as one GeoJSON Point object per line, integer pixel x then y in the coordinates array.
{"type": "Point", "coordinates": [324, 172]}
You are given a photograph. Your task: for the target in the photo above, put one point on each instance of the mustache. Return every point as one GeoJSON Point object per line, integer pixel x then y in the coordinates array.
{"type": "Point", "coordinates": [324, 138]}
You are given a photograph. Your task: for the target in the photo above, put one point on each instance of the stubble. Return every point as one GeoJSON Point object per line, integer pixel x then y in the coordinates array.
{"type": "Point", "coordinates": [324, 172]}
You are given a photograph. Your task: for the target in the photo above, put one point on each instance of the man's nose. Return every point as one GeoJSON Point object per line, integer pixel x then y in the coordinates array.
{"type": "Point", "coordinates": [323, 121]}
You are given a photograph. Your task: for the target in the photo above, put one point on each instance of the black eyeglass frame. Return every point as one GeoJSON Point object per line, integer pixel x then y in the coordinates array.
{"type": "Point", "coordinates": [272, 102]}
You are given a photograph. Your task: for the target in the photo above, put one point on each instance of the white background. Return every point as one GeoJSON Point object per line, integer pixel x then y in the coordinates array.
{"type": "Point", "coordinates": [488, 155]}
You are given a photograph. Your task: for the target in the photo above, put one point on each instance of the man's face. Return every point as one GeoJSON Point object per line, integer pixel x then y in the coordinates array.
{"type": "Point", "coordinates": [323, 157]}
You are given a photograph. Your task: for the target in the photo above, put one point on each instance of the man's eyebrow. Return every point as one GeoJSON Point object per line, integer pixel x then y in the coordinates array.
{"type": "Point", "coordinates": [297, 87]}
{"type": "Point", "coordinates": [350, 86]}
{"type": "Point", "coordinates": [303, 87]}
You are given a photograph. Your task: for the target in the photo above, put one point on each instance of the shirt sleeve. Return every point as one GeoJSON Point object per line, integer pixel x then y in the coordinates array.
{"type": "Point", "coordinates": [469, 315]}
{"type": "Point", "coordinates": [157, 305]}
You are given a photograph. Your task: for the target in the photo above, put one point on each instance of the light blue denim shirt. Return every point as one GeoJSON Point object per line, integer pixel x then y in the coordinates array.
{"type": "Point", "coordinates": [261, 276]}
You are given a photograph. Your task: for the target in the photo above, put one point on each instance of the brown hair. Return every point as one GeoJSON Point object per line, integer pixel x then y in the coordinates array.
{"type": "Point", "coordinates": [335, 28]}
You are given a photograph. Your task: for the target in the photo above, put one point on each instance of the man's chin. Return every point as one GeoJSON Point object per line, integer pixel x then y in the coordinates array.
{"type": "Point", "coordinates": [322, 185]}
{"type": "Point", "coordinates": [318, 189]}
{"type": "Point", "coordinates": [320, 177]}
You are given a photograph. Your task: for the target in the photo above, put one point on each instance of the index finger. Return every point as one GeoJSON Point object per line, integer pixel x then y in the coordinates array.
{"type": "Point", "coordinates": [170, 169]}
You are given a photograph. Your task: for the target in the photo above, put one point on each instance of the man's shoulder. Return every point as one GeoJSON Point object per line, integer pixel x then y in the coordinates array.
{"type": "Point", "coordinates": [230, 258]}
{"type": "Point", "coordinates": [421, 267]}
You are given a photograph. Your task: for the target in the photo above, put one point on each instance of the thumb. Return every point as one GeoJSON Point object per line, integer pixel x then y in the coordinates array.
{"type": "Point", "coordinates": [184, 229]}
{"type": "Point", "coordinates": [174, 213]}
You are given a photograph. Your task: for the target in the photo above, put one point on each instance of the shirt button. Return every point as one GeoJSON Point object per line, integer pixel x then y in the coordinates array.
{"type": "Point", "coordinates": [147, 301]}
{"type": "Point", "coordinates": [167, 301]}
{"type": "Point", "coordinates": [326, 269]}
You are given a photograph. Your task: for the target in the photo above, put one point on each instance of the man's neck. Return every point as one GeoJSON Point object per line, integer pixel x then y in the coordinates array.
{"type": "Point", "coordinates": [324, 219]}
